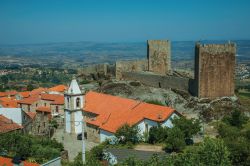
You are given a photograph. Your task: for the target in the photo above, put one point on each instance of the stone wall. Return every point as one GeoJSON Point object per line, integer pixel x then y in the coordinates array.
{"type": "Point", "coordinates": [93, 133]}
{"type": "Point", "coordinates": [214, 70]}
{"type": "Point", "coordinates": [93, 69]}
{"type": "Point", "coordinates": [130, 66]}
{"type": "Point", "coordinates": [159, 56]}
{"type": "Point", "coordinates": [159, 81]}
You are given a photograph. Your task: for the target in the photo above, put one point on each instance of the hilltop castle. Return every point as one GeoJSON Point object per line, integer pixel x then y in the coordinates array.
{"type": "Point", "coordinates": [214, 69]}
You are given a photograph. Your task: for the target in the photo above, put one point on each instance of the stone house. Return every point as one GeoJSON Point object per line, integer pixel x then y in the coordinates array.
{"type": "Point", "coordinates": [41, 123]}
{"type": "Point", "coordinates": [54, 101]}
{"type": "Point", "coordinates": [29, 104]}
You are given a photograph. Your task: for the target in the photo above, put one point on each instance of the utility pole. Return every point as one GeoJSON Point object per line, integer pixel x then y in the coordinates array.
{"type": "Point", "coordinates": [83, 142]}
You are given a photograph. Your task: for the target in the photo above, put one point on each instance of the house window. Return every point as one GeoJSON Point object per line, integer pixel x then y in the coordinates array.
{"type": "Point", "coordinates": [29, 108]}
{"type": "Point", "coordinates": [45, 104]}
{"type": "Point", "coordinates": [57, 109]}
{"type": "Point", "coordinates": [146, 127]}
{"type": "Point", "coordinates": [78, 102]}
{"type": "Point", "coordinates": [36, 104]}
{"type": "Point", "coordinates": [68, 101]}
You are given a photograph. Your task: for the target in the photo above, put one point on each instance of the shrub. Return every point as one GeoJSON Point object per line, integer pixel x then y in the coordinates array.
{"type": "Point", "coordinates": [157, 134]}
{"type": "Point", "coordinates": [175, 140]}
{"type": "Point", "coordinates": [127, 134]}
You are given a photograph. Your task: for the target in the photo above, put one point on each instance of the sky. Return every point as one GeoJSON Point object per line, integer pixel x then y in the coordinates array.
{"type": "Point", "coordinates": [42, 21]}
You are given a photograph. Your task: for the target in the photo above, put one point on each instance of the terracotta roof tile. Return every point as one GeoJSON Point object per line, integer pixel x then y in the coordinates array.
{"type": "Point", "coordinates": [51, 97]}
{"type": "Point", "coordinates": [8, 162]}
{"type": "Point", "coordinates": [25, 94]}
{"type": "Point", "coordinates": [37, 91]}
{"type": "Point", "coordinates": [114, 111]}
{"type": "Point", "coordinates": [43, 109]}
{"type": "Point", "coordinates": [7, 125]}
{"type": "Point", "coordinates": [8, 102]}
{"type": "Point", "coordinates": [30, 100]}
{"type": "Point", "coordinates": [8, 93]}
{"type": "Point", "coordinates": [32, 115]}
{"type": "Point", "coordinates": [58, 88]}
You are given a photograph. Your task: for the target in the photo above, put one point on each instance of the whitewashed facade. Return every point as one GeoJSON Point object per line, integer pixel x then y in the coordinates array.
{"type": "Point", "coordinates": [74, 103]}
{"type": "Point", "coordinates": [144, 126]}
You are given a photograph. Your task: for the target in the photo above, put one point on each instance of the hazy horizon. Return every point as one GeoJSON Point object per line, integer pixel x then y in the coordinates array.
{"type": "Point", "coordinates": [45, 21]}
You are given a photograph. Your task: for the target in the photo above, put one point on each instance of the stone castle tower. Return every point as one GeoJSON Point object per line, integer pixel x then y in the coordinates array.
{"type": "Point", "coordinates": [159, 56]}
{"type": "Point", "coordinates": [74, 103]}
{"type": "Point", "coordinates": [214, 70]}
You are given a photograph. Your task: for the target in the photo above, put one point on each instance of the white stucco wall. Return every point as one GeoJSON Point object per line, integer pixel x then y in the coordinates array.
{"type": "Point", "coordinates": [105, 135]}
{"type": "Point", "coordinates": [168, 122]}
{"type": "Point", "coordinates": [142, 125]}
{"type": "Point", "coordinates": [15, 114]}
{"type": "Point", "coordinates": [78, 122]}
{"type": "Point", "coordinates": [67, 121]}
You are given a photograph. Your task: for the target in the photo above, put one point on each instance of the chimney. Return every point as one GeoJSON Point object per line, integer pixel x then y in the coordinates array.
{"type": "Point", "coordinates": [17, 161]}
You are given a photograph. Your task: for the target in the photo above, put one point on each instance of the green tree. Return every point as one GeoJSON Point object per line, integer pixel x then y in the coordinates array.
{"type": "Point", "coordinates": [189, 127]}
{"type": "Point", "coordinates": [214, 152]}
{"type": "Point", "coordinates": [157, 134]}
{"type": "Point", "coordinates": [30, 87]}
{"type": "Point", "coordinates": [175, 140]}
{"type": "Point", "coordinates": [128, 134]}
{"type": "Point", "coordinates": [237, 118]}
{"type": "Point", "coordinates": [4, 79]}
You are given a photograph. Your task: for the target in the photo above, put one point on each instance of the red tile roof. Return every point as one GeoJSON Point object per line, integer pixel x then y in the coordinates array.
{"type": "Point", "coordinates": [43, 109]}
{"type": "Point", "coordinates": [8, 93]}
{"type": "Point", "coordinates": [56, 98]}
{"type": "Point", "coordinates": [8, 102]}
{"type": "Point", "coordinates": [29, 100]}
{"type": "Point", "coordinates": [7, 125]}
{"type": "Point", "coordinates": [8, 162]}
{"type": "Point", "coordinates": [32, 115]}
{"type": "Point", "coordinates": [113, 111]}
{"type": "Point", "coordinates": [58, 88]}
{"type": "Point", "coordinates": [25, 94]}
{"type": "Point", "coordinates": [38, 91]}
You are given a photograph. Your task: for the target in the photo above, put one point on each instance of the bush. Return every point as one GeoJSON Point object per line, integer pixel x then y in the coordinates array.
{"type": "Point", "coordinates": [157, 134]}
{"type": "Point", "coordinates": [237, 119]}
{"type": "Point", "coordinates": [128, 134]}
{"type": "Point", "coordinates": [39, 149]}
{"type": "Point", "coordinates": [189, 127]}
{"type": "Point", "coordinates": [175, 140]}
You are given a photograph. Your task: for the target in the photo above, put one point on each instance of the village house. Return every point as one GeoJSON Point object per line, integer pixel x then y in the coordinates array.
{"type": "Point", "coordinates": [104, 114]}
{"type": "Point", "coordinates": [41, 123]}
{"type": "Point", "coordinates": [33, 109]}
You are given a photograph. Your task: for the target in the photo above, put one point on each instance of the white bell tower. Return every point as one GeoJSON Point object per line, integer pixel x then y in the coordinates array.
{"type": "Point", "coordinates": [74, 102]}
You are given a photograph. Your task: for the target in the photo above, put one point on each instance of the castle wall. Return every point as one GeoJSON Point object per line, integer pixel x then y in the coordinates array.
{"type": "Point", "coordinates": [158, 81]}
{"type": "Point", "coordinates": [214, 70]}
{"type": "Point", "coordinates": [159, 56]}
{"type": "Point", "coordinates": [130, 66]}
{"type": "Point", "coordinates": [97, 68]}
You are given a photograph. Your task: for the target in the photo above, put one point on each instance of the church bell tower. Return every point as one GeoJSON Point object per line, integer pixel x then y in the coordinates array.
{"type": "Point", "coordinates": [73, 112]}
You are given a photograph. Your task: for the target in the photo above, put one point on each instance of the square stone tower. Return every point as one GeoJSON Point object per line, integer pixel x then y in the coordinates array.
{"type": "Point", "coordinates": [159, 56]}
{"type": "Point", "coordinates": [214, 70]}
